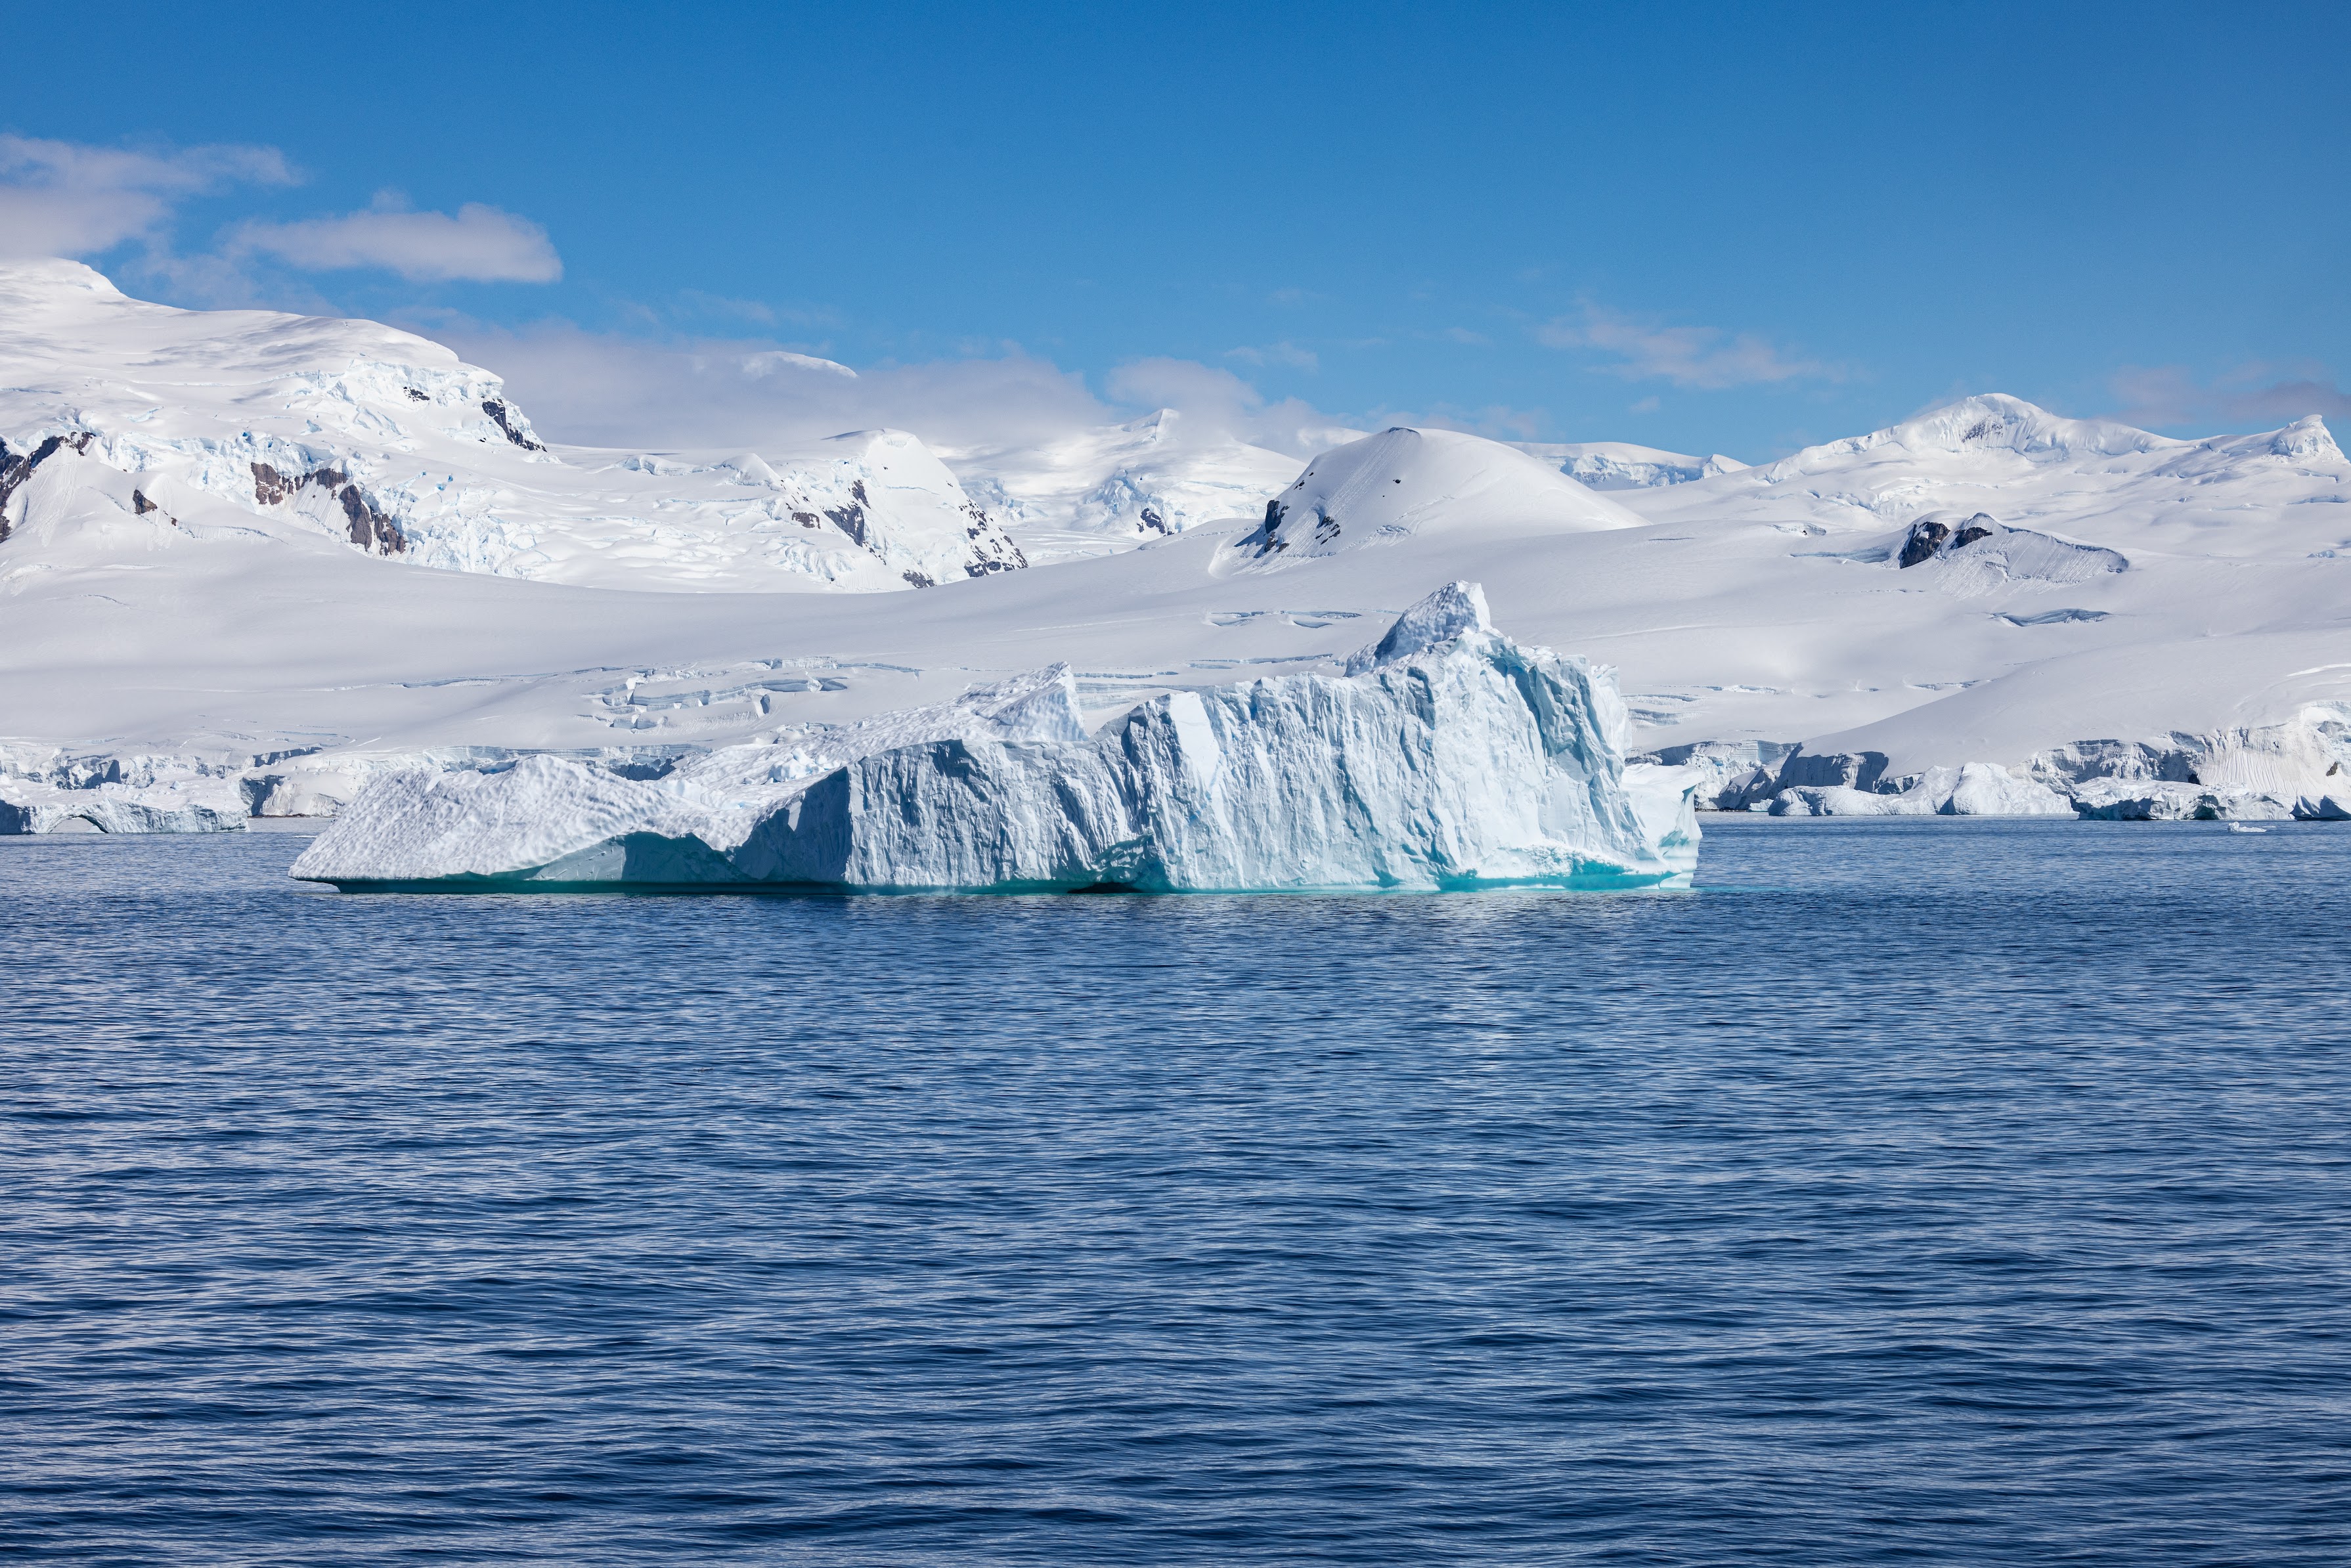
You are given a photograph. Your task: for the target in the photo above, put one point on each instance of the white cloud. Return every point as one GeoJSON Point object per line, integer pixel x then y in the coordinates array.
{"type": "Point", "coordinates": [480, 244]}
{"type": "Point", "coordinates": [2256, 392]}
{"type": "Point", "coordinates": [63, 198]}
{"type": "Point", "coordinates": [1216, 402]}
{"type": "Point", "coordinates": [605, 389]}
{"type": "Point", "coordinates": [1706, 358]}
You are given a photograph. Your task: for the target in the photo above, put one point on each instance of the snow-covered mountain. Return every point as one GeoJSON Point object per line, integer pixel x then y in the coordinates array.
{"type": "Point", "coordinates": [1621, 465]}
{"type": "Point", "coordinates": [1404, 483]}
{"type": "Point", "coordinates": [2078, 610]}
{"type": "Point", "coordinates": [1096, 491]}
{"type": "Point", "coordinates": [234, 418]}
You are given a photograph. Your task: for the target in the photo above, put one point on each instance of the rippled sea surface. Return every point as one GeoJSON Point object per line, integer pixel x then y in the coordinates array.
{"type": "Point", "coordinates": [1913, 1192]}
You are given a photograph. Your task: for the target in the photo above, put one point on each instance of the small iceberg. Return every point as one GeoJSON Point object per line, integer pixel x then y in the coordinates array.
{"type": "Point", "coordinates": [2245, 828]}
{"type": "Point", "coordinates": [1448, 757]}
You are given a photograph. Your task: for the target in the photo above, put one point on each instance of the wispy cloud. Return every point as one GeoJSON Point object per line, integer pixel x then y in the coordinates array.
{"type": "Point", "coordinates": [479, 244]}
{"type": "Point", "coordinates": [1282, 353]}
{"type": "Point", "coordinates": [776, 361]}
{"type": "Point", "coordinates": [64, 198]}
{"type": "Point", "coordinates": [612, 390]}
{"type": "Point", "coordinates": [1706, 358]}
{"type": "Point", "coordinates": [2258, 392]}
{"type": "Point", "coordinates": [1216, 402]}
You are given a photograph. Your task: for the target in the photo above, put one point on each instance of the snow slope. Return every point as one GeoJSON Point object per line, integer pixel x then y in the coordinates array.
{"type": "Point", "coordinates": [2100, 602]}
{"type": "Point", "coordinates": [1094, 491]}
{"type": "Point", "coordinates": [381, 438]}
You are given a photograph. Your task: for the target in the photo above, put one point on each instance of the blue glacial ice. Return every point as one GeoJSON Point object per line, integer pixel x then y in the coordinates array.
{"type": "Point", "coordinates": [1448, 757]}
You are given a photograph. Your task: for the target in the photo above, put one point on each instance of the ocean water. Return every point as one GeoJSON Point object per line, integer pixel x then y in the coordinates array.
{"type": "Point", "coordinates": [1918, 1192]}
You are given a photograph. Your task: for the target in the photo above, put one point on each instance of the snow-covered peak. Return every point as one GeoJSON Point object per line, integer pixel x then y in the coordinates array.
{"type": "Point", "coordinates": [2308, 440]}
{"type": "Point", "coordinates": [1448, 613]}
{"type": "Point", "coordinates": [1989, 423]}
{"type": "Point", "coordinates": [360, 431]}
{"type": "Point", "coordinates": [50, 283]}
{"type": "Point", "coordinates": [1622, 465]}
{"type": "Point", "coordinates": [1403, 482]}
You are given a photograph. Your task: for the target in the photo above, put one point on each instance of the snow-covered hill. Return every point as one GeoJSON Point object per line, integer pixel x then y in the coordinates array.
{"type": "Point", "coordinates": [356, 431]}
{"type": "Point", "coordinates": [1406, 484]}
{"type": "Point", "coordinates": [2080, 611]}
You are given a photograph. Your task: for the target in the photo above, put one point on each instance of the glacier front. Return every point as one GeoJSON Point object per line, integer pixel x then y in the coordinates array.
{"type": "Point", "coordinates": [1450, 757]}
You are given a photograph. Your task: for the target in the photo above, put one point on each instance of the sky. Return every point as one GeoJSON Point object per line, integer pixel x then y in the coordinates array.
{"type": "Point", "coordinates": [1735, 228]}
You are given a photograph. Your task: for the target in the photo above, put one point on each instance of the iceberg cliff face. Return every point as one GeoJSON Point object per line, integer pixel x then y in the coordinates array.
{"type": "Point", "coordinates": [1454, 758]}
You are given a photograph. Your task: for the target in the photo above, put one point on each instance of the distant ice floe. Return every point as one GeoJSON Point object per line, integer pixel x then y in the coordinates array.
{"type": "Point", "coordinates": [1452, 759]}
{"type": "Point", "coordinates": [182, 806]}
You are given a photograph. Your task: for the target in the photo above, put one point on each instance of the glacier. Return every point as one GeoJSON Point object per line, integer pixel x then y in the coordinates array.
{"type": "Point", "coordinates": [212, 525]}
{"type": "Point", "coordinates": [1451, 758]}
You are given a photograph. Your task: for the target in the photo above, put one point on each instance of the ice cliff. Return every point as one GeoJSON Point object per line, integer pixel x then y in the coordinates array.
{"type": "Point", "coordinates": [1453, 759]}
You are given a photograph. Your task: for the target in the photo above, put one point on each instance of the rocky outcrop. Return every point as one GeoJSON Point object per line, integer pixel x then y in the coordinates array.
{"type": "Point", "coordinates": [17, 468]}
{"type": "Point", "coordinates": [508, 419]}
{"type": "Point", "coordinates": [367, 525]}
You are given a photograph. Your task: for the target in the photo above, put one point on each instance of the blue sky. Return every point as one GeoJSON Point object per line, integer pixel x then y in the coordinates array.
{"type": "Point", "coordinates": [1701, 227]}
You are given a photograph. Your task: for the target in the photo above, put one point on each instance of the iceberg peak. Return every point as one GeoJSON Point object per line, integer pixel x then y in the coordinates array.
{"type": "Point", "coordinates": [1438, 618]}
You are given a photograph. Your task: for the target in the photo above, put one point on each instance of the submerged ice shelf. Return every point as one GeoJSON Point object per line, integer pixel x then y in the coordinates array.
{"type": "Point", "coordinates": [1448, 757]}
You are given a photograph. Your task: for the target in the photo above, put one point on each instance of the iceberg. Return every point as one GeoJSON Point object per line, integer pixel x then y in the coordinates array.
{"type": "Point", "coordinates": [1970, 790]}
{"type": "Point", "coordinates": [181, 806]}
{"type": "Point", "coordinates": [1451, 758]}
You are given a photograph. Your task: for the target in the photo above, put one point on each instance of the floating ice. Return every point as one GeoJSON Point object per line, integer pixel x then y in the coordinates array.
{"type": "Point", "coordinates": [1456, 759]}
{"type": "Point", "coordinates": [191, 806]}
{"type": "Point", "coordinates": [1970, 790]}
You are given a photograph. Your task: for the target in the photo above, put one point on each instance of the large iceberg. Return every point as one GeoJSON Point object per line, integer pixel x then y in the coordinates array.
{"type": "Point", "coordinates": [1451, 757]}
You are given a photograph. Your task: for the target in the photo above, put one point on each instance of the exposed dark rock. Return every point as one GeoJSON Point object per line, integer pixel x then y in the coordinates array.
{"type": "Point", "coordinates": [15, 470]}
{"type": "Point", "coordinates": [917, 579]}
{"type": "Point", "coordinates": [1979, 527]}
{"type": "Point", "coordinates": [415, 396]}
{"type": "Point", "coordinates": [508, 419]}
{"type": "Point", "coordinates": [368, 527]}
{"type": "Point", "coordinates": [993, 550]}
{"type": "Point", "coordinates": [1155, 522]}
{"type": "Point", "coordinates": [1927, 538]}
{"type": "Point", "coordinates": [849, 520]}
{"type": "Point", "coordinates": [270, 487]}
{"type": "Point", "coordinates": [1268, 539]}
{"type": "Point", "coordinates": [141, 505]}
{"type": "Point", "coordinates": [806, 519]}
{"type": "Point", "coordinates": [1326, 527]}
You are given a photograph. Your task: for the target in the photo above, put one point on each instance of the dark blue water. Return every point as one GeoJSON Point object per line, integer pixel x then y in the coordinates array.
{"type": "Point", "coordinates": [1919, 1192]}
